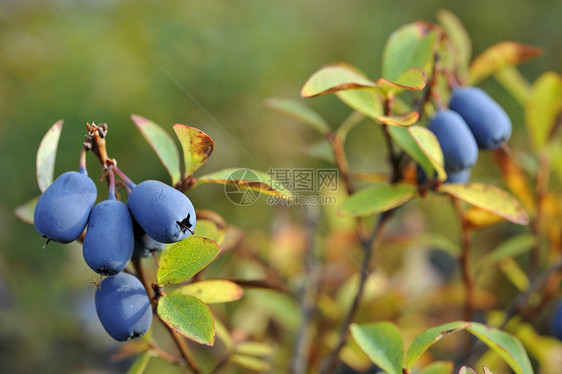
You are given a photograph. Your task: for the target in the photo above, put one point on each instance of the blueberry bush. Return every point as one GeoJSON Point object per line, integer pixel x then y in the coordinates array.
{"type": "Point", "coordinates": [305, 307]}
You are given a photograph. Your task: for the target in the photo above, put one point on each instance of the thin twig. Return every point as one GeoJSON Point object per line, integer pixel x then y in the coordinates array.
{"type": "Point", "coordinates": [517, 307]}
{"type": "Point", "coordinates": [308, 295]}
{"type": "Point", "coordinates": [369, 246]}
{"type": "Point", "coordinates": [465, 263]}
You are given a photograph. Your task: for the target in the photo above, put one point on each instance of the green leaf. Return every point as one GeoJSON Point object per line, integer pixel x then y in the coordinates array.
{"type": "Point", "coordinates": [250, 362]}
{"type": "Point", "coordinates": [25, 211]}
{"type": "Point", "coordinates": [543, 108]}
{"type": "Point", "coordinates": [429, 145]}
{"type": "Point", "coordinates": [254, 349]}
{"type": "Point", "coordinates": [322, 150]}
{"type": "Point", "coordinates": [46, 155]}
{"type": "Point", "coordinates": [514, 273]}
{"type": "Point", "coordinates": [224, 335]}
{"type": "Point", "coordinates": [189, 316]}
{"type": "Point", "coordinates": [382, 342]}
{"type": "Point", "coordinates": [350, 122]}
{"type": "Point", "coordinates": [196, 145]}
{"type": "Point", "coordinates": [367, 101]}
{"type": "Point", "coordinates": [333, 78]}
{"type": "Point", "coordinates": [409, 46]}
{"type": "Point", "coordinates": [140, 364]}
{"type": "Point", "coordinates": [209, 229]}
{"type": "Point", "coordinates": [247, 178]}
{"type": "Point", "coordinates": [498, 56]}
{"type": "Point", "coordinates": [300, 112]}
{"type": "Point", "coordinates": [162, 143]}
{"type": "Point", "coordinates": [504, 344]}
{"type": "Point", "coordinates": [212, 291]}
{"type": "Point", "coordinates": [459, 37]}
{"type": "Point", "coordinates": [185, 259]}
{"type": "Point", "coordinates": [489, 198]}
{"type": "Point", "coordinates": [513, 81]}
{"type": "Point", "coordinates": [439, 367]}
{"type": "Point", "coordinates": [424, 340]}
{"type": "Point", "coordinates": [409, 144]}
{"type": "Point", "coordinates": [377, 199]}
{"type": "Point", "coordinates": [510, 248]}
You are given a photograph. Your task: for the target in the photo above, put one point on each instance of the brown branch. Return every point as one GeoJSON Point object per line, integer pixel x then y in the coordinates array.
{"type": "Point", "coordinates": [369, 246]}
{"type": "Point", "coordinates": [308, 295]}
{"type": "Point", "coordinates": [465, 262]}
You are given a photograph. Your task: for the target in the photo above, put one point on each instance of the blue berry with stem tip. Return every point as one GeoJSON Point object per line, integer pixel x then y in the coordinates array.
{"type": "Point", "coordinates": [109, 241]}
{"type": "Point", "coordinates": [62, 211]}
{"type": "Point", "coordinates": [123, 307]}
{"type": "Point", "coordinates": [163, 212]}
{"type": "Point", "coordinates": [460, 151]}
{"type": "Point", "coordinates": [487, 120]}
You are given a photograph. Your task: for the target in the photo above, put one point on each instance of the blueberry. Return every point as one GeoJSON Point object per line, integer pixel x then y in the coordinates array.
{"type": "Point", "coordinates": [163, 212]}
{"type": "Point", "coordinates": [144, 244]}
{"type": "Point", "coordinates": [62, 211]}
{"type": "Point", "coordinates": [460, 151]}
{"type": "Point", "coordinates": [487, 120]}
{"type": "Point", "coordinates": [444, 263]}
{"type": "Point", "coordinates": [460, 177]}
{"type": "Point", "coordinates": [123, 307]}
{"type": "Point", "coordinates": [556, 322]}
{"type": "Point", "coordinates": [109, 241]}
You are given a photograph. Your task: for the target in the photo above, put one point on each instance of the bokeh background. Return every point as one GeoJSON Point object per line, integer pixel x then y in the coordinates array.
{"type": "Point", "coordinates": [204, 64]}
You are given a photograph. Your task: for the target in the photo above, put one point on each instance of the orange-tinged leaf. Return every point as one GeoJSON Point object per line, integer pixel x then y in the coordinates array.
{"type": "Point", "coordinates": [498, 56]}
{"type": "Point", "coordinates": [333, 78]}
{"type": "Point", "coordinates": [489, 198]}
{"type": "Point", "coordinates": [196, 145]}
{"type": "Point", "coordinates": [412, 79]}
{"type": "Point", "coordinates": [247, 179]}
{"type": "Point", "coordinates": [515, 179]}
{"type": "Point", "coordinates": [478, 218]}
{"type": "Point", "coordinates": [406, 119]}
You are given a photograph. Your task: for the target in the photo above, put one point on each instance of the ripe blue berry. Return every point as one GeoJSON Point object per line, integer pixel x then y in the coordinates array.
{"type": "Point", "coordinates": [487, 120]}
{"type": "Point", "coordinates": [144, 244]}
{"type": "Point", "coordinates": [163, 212]}
{"type": "Point", "coordinates": [62, 211]}
{"type": "Point", "coordinates": [461, 177]}
{"type": "Point", "coordinates": [109, 241]}
{"type": "Point", "coordinates": [123, 307]}
{"type": "Point", "coordinates": [556, 322]}
{"type": "Point", "coordinates": [460, 151]}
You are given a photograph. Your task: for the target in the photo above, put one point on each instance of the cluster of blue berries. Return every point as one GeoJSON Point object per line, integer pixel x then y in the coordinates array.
{"type": "Point", "coordinates": [473, 121]}
{"type": "Point", "coordinates": [155, 214]}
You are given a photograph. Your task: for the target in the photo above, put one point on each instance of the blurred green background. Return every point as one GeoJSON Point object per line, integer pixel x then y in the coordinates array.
{"type": "Point", "coordinates": [204, 64]}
